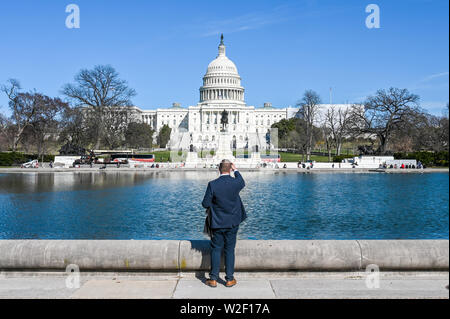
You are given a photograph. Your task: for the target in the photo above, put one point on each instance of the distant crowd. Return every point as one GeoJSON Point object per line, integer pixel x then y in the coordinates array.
{"type": "Point", "coordinates": [403, 166]}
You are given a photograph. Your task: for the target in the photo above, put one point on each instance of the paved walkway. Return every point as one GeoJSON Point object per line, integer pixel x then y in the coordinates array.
{"type": "Point", "coordinates": [250, 286]}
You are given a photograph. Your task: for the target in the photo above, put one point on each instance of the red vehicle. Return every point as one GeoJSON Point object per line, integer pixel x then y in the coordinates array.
{"type": "Point", "coordinates": [131, 158]}
{"type": "Point", "coordinates": [271, 158]}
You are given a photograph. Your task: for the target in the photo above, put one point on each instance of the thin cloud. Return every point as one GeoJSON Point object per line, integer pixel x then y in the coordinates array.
{"type": "Point", "coordinates": [202, 27]}
{"type": "Point", "coordinates": [435, 76]}
{"type": "Point", "coordinates": [425, 83]}
{"type": "Point", "coordinates": [250, 21]}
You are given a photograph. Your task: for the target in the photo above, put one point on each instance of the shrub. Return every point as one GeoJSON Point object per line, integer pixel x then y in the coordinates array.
{"type": "Point", "coordinates": [12, 158]}
{"type": "Point", "coordinates": [427, 158]}
{"type": "Point", "coordinates": [340, 158]}
{"type": "Point", "coordinates": [16, 158]}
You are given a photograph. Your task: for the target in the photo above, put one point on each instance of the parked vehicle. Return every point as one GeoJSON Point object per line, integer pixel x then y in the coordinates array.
{"type": "Point", "coordinates": [31, 164]}
{"type": "Point", "coordinates": [271, 158]}
{"type": "Point", "coordinates": [133, 158]}
{"type": "Point", "coordinates": [84, 159]}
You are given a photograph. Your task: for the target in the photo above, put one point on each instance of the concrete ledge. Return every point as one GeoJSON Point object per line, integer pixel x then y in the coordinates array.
{"type": "Point", "coordinates": [278, 255]}
{"type": "Point", "coordinates": [407, 254]}
{"type": "Point", "coordinates": [251, 255]}
{"type": "Point", "coordinates": [89, 254]}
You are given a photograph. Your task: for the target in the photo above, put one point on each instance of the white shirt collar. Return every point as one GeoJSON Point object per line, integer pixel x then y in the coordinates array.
{"type": "Point", "coordinates": [227, 174]}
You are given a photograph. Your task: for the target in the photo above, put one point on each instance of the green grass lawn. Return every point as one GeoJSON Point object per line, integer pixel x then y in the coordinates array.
{"type": "Point", "coordinates": [291, 157]}
{"type": "Point", "coordinates": [163, 156]}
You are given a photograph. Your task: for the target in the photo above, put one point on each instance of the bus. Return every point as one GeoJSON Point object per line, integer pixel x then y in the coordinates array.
{"type": "Point", "coordinates": [271, 158]}
{"type": "Point", "coordinates": [131, 158]}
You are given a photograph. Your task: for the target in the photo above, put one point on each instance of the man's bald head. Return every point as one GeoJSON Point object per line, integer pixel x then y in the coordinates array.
{"type": "Point", "coordinates": [225, 166]}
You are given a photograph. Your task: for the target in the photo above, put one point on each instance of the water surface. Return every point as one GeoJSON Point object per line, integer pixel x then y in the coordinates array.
{"type": "Point", "coordinates": [166, 205]}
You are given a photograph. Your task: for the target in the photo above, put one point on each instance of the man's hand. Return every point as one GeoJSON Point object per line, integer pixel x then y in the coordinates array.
{"type": "Point", "coordinates": [233, 167]}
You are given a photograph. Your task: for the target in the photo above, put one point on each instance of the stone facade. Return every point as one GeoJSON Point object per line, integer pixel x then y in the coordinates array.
{"type": "Point", "coordinates": [200, 124]}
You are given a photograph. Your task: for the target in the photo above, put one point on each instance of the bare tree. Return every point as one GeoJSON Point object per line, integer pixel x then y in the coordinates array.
{"type": "Point", "coordinates": [22, 107]}
{"type": "Point", "coordinates": [116, 123]}
{"type": "Point", "coordinates": [6, 133]}
{"type": "Point", "coordinates": [101, 90]}
{"type": "Point", "coordinates": [328, 137]}
{"type": "Point", "coordinates": [426, 131]}
{"type": "Point", "coordinates": [444, 125]}
{"type": "Point", "coordinates": [74, 127]}
{"type": "Point", "coordinates": [338, 120]}
{"type": "Point", "coordinates": [45, 121]}
{"type": "Point", "coordinates": [383, 113]}
{"type": "Point", "coordinates": [308, 111]}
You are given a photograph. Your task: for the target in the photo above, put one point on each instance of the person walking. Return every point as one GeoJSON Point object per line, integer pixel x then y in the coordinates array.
{"type": "Point", "coordinates": [227, 213]}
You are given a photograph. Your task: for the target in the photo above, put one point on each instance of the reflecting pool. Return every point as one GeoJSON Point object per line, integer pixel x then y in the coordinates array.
{"type": "Point", "coordinates": [166, 205]}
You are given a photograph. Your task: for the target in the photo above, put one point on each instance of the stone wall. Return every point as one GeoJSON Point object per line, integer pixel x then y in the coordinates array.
{"type": "Point", "coordinates": [251, 255]}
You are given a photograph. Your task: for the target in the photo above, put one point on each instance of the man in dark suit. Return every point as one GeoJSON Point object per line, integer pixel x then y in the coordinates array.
{"type": "Point", "coordinates": [227, 212]}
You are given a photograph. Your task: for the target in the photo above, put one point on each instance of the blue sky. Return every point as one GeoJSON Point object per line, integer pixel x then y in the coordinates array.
{"type": "Point", "coordinates": [281, 48]}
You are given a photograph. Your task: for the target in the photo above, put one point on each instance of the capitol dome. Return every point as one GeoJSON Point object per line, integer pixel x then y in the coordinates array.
{"type": "Point", "coordinates": [222, 65]}
{"type": "Point", "coordinates": [222, 82]}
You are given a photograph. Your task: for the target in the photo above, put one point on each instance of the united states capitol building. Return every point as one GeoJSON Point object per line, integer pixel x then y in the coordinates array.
{"type": "Point", "coordinates": [200, 125]}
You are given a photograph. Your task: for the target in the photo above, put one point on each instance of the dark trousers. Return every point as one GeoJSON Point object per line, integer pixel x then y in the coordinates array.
{"type": "Point", "coordinates": [223, 239]}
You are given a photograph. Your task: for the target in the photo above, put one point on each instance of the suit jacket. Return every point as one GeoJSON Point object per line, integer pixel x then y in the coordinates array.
{"type": "Point", "coordinates": [222, 196]}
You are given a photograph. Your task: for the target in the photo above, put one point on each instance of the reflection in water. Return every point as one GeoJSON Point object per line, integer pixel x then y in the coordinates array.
{"type": "Point", "coordinates": [166, 205]}
{"type": "Point", "coordinates": [54, 182]}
